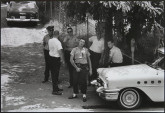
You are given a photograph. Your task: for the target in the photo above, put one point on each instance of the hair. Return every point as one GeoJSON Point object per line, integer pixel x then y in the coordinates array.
{"type": "Point", "coordinates": [69, 28]}
{"type": "Point", "coordinates": [111, 40]}
{"type": "Point", "coordinates": [83, 40]}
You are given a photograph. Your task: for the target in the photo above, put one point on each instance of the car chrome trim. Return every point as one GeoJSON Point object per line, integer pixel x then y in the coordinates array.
{"type": "Point", "coordinates": [108, 96]}
{"type": "Point", "coordinates": [22, 20]}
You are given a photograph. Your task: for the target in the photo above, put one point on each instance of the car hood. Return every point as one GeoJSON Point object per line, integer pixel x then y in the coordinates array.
{"type": "Point", "coordinates": [28, 7]}
{"type": "Point", "coordinates": [141, 71]}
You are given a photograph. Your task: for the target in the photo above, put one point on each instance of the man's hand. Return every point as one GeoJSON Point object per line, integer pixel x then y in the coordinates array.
{"type": "Point", "coordinates": [63, 62]}
{"type": "Point", "coordinates": [78, 69]}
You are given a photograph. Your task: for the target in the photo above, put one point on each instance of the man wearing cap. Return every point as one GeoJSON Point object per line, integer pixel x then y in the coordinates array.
{"type": "Point", "coordinates": [56, 58]}
{"type": "Point", "coordinates": [46, 38]}
{"type": "Point", "coordinates": [70, 42]}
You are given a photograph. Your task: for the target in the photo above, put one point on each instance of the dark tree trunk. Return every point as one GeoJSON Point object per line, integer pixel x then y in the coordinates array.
{"type": "Point", "coordinates": [108, 36]}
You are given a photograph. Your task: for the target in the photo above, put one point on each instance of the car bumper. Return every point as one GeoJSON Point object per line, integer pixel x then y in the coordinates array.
{"type": "Point", "coordinates": [22, 20]}
{"type": "Point", "coordinates": [111, 95]}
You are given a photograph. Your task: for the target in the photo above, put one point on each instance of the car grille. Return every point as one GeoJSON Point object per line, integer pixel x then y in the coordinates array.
{"type": "Point", "coordinates": [26, 15]}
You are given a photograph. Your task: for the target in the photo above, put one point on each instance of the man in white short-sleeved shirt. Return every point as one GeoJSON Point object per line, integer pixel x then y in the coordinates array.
{"type": "Point", "coordinates": [97, 44]}
{"type": "Point", "coordinates": [56, 58]}
{"type": "Point", "coordinates": [115, 55]}
{"type": "Point", "coordinates": [96, 50]}
{"type": "Point", "coordinates": [46, 38]}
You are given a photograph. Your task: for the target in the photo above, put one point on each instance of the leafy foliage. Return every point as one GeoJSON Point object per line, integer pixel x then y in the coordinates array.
{"type": "Point", "coordinates": [118, 14]}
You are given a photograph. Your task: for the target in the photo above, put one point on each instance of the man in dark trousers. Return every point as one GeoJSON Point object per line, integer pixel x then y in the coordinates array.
{"type": "Point", "coordinates": [56, 58]}
{"type": "Point", "coordinates": [70, 42]}
{"type": "Point", "coordinates": [46, 38]}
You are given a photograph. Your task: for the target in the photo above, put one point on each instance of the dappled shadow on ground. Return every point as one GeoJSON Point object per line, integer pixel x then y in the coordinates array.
{"type": "Point", "coordinates": [25, 66]}
{"type": "Point", "coordinates": [26, 61]}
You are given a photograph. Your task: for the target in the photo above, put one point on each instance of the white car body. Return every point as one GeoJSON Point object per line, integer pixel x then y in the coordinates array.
{"type": "Point", "coordinates": [140, 77]}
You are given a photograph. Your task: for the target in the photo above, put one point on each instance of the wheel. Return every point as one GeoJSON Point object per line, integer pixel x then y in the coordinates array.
{"type": "Point", "coordinates": [129, 99]}
{"type": "Point", "coordinates": [9, 23]}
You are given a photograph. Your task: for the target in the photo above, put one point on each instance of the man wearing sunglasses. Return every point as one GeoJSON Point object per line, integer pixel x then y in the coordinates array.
{"type": "Point", "coordinates": [70, 42]}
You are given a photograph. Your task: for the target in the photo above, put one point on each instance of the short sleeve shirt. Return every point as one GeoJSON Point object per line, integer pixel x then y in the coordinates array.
{"type": "Point", "coordinates": [116, 55]}
{"type": "Point", "coordinates": [54, 46]}
{"type": "Point", "coordinates": [45, 41]}
{"type": "Point", "coordinates": [97, 45]}
{"type": "Point", "coordinates": [71, 42]}
{"type": "Point", "coordinates": [80, 55]}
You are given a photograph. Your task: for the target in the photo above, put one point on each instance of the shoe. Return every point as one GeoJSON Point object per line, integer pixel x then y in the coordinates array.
{"type": "Point", "coordinates": [84, 99]}
{"type": "Point", "coordinates": [56, 93]}
{"type": "Point", "coordinates": [72, 97]}
{"type": "Point", "coordinates": [60, 89]}
{"type": "Point", "coordinates": [69, 86]}
{"type": "Point", "coordinates": [44, 81]}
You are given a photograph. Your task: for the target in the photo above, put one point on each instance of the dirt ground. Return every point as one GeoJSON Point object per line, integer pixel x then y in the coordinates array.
{"type": "Point", "coordinates": [24, 66]}
{"type": "Point", "coordinates": [22, 70]}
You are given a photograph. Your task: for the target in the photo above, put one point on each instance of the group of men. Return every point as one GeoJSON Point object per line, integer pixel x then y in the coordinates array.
{"type": "Point", "coordinates": [82, 62]}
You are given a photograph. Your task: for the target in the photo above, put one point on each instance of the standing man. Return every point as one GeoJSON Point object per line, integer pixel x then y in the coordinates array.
{"type": "Point", "coordinates": [56, 58]}
{"type": "Point", "coordinates": [96, 50]}
{"type": "Point", "coordinates": [115, 55]}
{"type": "Point", "coordinates": [80, 59]}
{"type": "Point", "coordinates": [46, 38]}
{"type": "Point", "coordinates": [70, 42]}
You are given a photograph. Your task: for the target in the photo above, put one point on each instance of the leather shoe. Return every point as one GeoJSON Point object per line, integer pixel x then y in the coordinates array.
{"type": "Point", "coordinates": [60, 89]}
{"type": "Point", "coordinates": [44, 81]}
{"type": "Point", "coordinates": [84, 99]}
{"type": "Point", "coordinates": [69, 86]}
{"type": "Point", "coordinates": [56, 93]}
{"type": "Point", "coordinates": [72, 97]}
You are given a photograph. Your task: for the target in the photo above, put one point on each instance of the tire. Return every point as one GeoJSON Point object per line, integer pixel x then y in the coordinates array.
{"type": "Point", "coordinates": [9, 23]}
{"type": "Point", "coordinates": [129, 99]}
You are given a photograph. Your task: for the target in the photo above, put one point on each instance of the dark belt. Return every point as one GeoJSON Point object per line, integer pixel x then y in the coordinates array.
{"type": "Point", "coordinates": [83, 66]}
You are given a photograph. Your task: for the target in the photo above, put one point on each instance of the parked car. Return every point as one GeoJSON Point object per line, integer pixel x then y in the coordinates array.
{"type": "Point", "coordinates": [22, 11]}
{"type": "Point", "coordinates": [129, 85]}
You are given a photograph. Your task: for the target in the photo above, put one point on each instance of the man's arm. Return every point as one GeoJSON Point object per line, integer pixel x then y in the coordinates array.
{"type": "Point", "coordinates": [61, 55]}
{"type": "Point", "coordinates": [72, 62]}
{"type": "Point", "coordinates": [74, 65]}
{"type": "Point", "coordinates": [44, 43]}
{"type": "Point", "coordinates": [90, 64]}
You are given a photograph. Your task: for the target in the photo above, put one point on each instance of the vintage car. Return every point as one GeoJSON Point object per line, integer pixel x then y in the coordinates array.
{"type": "Point", "coordinates": [129, 85]}
{"type": "Point", "coordinates": [22, 11]}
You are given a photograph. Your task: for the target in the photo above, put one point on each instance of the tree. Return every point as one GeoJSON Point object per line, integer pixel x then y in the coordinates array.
{"type": "Point", "coordinates": [136, 13]}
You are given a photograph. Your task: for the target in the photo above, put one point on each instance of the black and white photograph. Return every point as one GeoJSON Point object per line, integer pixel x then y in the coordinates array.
{"type": "Point", "coordinates": [82, 56]}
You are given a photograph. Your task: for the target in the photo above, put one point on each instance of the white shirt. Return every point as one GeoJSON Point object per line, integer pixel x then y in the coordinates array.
{"type": "Point", "coordinates": [116, 55]}
{"type": "Point", "coordinates": [97, 45]}
{"type": "Point", "coordinates": [54, 47]}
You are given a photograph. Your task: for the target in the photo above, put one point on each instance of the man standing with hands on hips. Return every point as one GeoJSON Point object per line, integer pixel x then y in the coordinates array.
{"type": "Point", "coordinates": [56, 58]}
